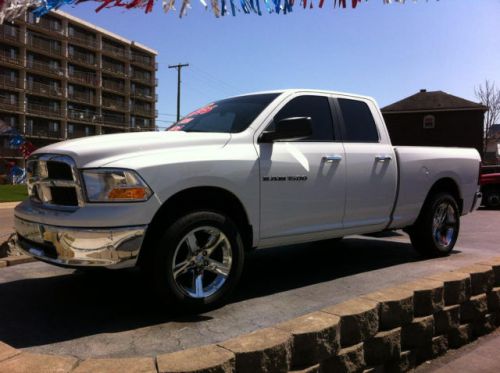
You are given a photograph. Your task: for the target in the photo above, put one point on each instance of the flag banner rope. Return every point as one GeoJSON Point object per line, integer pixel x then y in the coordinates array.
{"type": "Point", "coordinates": [12, 9]}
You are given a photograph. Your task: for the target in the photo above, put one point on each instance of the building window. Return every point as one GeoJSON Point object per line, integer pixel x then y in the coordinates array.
{"type": "Point", "coordinates": [429, 122]}
{"type": "Point", "coordinates": [53, 127]}
{"type": "Point", "coordinates": [71, 129]}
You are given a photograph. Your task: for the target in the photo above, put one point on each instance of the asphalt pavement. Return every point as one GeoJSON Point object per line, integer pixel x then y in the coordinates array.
{"type": "Point", "coordinates": [115, 314]}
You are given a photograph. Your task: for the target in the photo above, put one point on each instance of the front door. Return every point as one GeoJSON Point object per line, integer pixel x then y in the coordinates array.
{"type": "Point", "coordinates": [303, 181]}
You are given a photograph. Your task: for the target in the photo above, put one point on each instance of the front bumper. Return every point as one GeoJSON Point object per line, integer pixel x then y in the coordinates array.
{"type": "Point", "coordinates": [80, 247]}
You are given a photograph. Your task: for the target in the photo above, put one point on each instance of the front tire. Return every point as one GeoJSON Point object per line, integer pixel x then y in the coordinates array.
{"type": "Point", "coordinates": [198, 261]}
{"type": "Point", "coordinates": [436, 230]}
{"type": "Point", "coordinates": [491, 197]}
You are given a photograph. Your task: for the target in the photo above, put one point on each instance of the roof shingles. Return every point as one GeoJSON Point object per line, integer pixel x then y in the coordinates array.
{"type": "Point", "coordinates": [432, 101]}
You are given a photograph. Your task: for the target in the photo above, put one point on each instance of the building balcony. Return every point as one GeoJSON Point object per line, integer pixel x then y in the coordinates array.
{"type": "Point", "coordinates": [144, 95]}
{"type": "Point", "coordinates": [142, 78]}
{"type": "Point", "coordinates": [10, 33]}
{"type": "Point", "coordinates": [83, 98]}
{"type": "Point", "coordinates": [44, 110]}
{"type": "Point", "coordinates": [7, 105]}
{"type": "Point", "coordinates": [114, 104]}
{"type": "Point", "coordinates": [113, 69]}
{"type": "Point", "coordinates": [113, 86]}
{"type": "Point", "coordinates": [86, 59]}
{"type": "Point", "coordinates": [10, 153]}
{"type": "Point", "coordinates": [44, 89]}
{"type": "Point", "coordinates": [145, 61]}
{"type": "Point", "coordinates": [111, 50]}
{"type": "Point", "coordinates": [89, 79]}
{"type": "Point", "coordinates": [45, 68]}
{"type": "Point", "coordinates": [44, 46]}
{"type": "Point", "coordinates": [46, 24]}
{"type": "Point", "coordinates": [114, 120]}
{"type": "Point", "coordinates": [83, 40]}
{"type": "Point", "coordinates": [83, 116]}
{"type": "Point", "coordinates": [9, 82]}
{"type": "Point", "coordinates": [44, 133]}
{"type": "Point", "coordinates": [7, 58]}
{"type": "Point", "coordinates": [143, 111]}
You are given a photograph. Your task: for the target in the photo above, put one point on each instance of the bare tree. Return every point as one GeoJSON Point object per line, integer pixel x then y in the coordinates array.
{"type": "Point", "coordinates": [489, 95]}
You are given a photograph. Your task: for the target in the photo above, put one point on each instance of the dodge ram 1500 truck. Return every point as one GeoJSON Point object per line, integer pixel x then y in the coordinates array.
{"type": "Point", "coordinates": [253, 171]}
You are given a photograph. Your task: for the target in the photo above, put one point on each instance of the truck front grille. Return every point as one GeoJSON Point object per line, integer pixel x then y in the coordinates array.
{"type": "Point", "coordinates": [53, 181]}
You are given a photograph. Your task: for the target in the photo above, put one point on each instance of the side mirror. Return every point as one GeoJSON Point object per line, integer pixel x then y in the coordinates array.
{"type": "Point", "coordinates": [295, 128]}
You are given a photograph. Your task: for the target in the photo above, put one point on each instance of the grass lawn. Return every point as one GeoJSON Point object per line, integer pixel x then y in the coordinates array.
{"type": "Point", "coordinates": [13, 193]}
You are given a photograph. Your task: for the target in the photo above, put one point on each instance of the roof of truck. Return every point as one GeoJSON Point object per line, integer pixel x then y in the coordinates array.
{"type": "Point", "coordinates": [295, 90]}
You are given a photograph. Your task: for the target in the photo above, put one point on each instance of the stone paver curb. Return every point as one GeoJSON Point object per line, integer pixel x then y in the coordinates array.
{"type": "Point", "coordinates": [390, 330]}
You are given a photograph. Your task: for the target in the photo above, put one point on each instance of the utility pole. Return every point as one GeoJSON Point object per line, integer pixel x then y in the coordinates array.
{"type": "Point", "coordinates": [179, 68]}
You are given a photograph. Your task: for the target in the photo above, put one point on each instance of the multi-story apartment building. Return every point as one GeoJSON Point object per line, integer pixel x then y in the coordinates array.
{"type": "Point", "coordinates": [62, 78]}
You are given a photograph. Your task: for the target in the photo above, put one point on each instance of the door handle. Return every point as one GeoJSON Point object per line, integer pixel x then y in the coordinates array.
{"type": "Point", "coordinates": [383, 158]}
{"type": "Point", "coordinates": [331, 158]}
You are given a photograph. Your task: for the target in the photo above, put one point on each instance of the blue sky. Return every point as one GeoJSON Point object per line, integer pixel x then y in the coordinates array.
{"type": "Point", "coordinates": [385, 51]}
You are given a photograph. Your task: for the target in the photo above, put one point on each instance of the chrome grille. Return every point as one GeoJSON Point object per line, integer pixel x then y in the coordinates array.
{"type": "Point", "coordinates": [53, 181]}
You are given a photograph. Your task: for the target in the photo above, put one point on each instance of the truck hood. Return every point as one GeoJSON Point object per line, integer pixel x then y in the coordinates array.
{"type": "Point", "coordinates": [96, 151]}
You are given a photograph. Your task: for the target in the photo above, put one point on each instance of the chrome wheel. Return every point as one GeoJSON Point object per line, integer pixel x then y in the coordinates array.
{"type": "Point", "coordinates": [444, 225]}
{"type": "Point", "coordinates": [202, 262]}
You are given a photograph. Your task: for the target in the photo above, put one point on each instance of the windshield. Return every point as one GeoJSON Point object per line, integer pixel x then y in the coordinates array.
{"type": "Point", "coordinates": [230, 116]}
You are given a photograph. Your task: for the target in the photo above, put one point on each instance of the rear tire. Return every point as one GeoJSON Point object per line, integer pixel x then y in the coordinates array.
{"type": "Point", "coordinates": [436, 230]}
{"type": "Point", "coordinates": [198, 261]}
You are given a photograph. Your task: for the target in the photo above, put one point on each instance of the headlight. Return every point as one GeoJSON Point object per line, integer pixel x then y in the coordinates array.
{"type": "Point", "coordinates": [114, 185]}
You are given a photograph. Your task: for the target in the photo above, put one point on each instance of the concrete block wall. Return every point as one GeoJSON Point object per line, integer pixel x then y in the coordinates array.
{"type": "Point", "coordinates": [391, 330]}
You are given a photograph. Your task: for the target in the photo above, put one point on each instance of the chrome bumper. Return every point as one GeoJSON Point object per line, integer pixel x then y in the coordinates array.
{"type": "Point", "coordinates": [80, 247]}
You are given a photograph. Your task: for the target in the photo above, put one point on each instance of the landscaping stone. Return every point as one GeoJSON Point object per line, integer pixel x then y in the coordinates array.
{"type": "Point", "coordinates": [3, 263]}
{"type": "Point", "coordinates": [404, 363]}
{"type": "Point", "coordinates": [27, 362]}
{"type": "Point", "coordinates": [484, 325]}
{"type": "Point", "coordinates": [457, 286]}
{"type": "Point", "coordinates": [482, 278]}
{"type": "Point", "coordinates": [315, 337]}
{"type": "Point", "coordinates": [19, 259]}
{"type": "Point", "coordinates": [457, 337]}
{"type": "Point", "coordinates": [395, 307]}
{"type": "Point", "coordinates": [428, 296]}
{"type": "Point", "coordinates": [446, 319]}
{"type": "Point", "coordinates": [495, 266]}
{"type": "Point", "coordinates": [7, 351]}
{"type": "Point", "coordinates": [205, 359]}
{"type": "Point", "coordinates": [417, 333]}
{"type": "Point", "coordinates": [494, 299]}
{"type": "Point", "coordinates": [266, 350]}
{"type": "Point", "coordinates": [358, 320]}
{"type": "Point", "coordinates": [473, 309]}
{"type": "Point", "coordinates": [348, 360]}
{"type": "Point", "coordinates": [383, 347]}
{"type": "Point", "coordinates": [436, 347]}
{"type": "Point", "coordinates": [313, 369]}
{"type": "Point", "coordinates": [129, 365]}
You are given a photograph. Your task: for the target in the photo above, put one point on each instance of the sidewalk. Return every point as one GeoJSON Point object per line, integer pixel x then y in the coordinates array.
{"type": "Point", "coordinates": [481, 356]}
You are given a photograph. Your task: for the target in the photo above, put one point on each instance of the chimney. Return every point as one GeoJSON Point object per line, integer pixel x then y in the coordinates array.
{"type": "Point", "coordinates": [423, 90]}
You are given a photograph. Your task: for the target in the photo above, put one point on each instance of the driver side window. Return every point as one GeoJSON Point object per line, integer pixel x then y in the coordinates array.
{"type": "Point", "coordinates": [315, 107]}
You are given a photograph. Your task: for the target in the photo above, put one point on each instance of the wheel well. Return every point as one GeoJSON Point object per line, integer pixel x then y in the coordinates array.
{"type": "Point", "coordinates": [211, 198]}
{"type": "Point", "coordinates": [447, 185]}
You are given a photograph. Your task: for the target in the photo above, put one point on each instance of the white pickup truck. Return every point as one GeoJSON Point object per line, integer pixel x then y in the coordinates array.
{"type": "Point", "coordinates": [253, 171]}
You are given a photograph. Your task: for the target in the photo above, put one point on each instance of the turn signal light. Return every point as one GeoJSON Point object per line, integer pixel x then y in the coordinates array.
{"type": "Point", "coordinates": [128, 193]}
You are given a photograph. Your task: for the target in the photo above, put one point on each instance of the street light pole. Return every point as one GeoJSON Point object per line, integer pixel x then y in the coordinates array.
{"type": "Point", "coordinates": [179, 68]}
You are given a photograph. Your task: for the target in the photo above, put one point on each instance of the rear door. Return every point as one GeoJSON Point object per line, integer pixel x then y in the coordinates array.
{"type": "Point", "coordinates": [303, 181]}
{"type": "Point", "coordinates": [371, 175]}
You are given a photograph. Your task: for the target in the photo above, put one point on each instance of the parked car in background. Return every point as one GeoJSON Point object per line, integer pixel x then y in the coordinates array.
{"type": "Point", "coordinates": [490, 186]}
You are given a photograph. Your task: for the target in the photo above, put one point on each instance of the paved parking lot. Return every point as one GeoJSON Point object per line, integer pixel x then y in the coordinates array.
{"type": "Point", "coordinates": [53, 310]}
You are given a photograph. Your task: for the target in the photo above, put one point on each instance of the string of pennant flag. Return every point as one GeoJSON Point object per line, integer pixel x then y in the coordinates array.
{"type": "Point", "coordinates": [12, 9]}
{"type": "Point", "coordinates": [16, 140]}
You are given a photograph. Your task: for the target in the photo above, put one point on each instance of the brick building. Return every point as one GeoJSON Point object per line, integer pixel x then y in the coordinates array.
{"type": "Point", "coordinates": [62, 78]}
{"type": "Point", "coordinates": [435, 119]}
